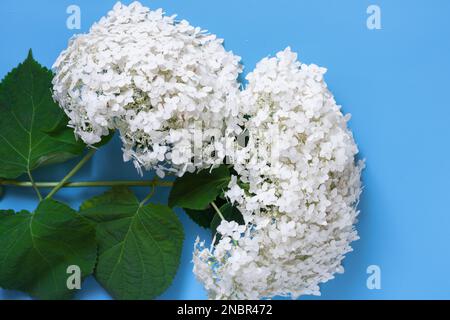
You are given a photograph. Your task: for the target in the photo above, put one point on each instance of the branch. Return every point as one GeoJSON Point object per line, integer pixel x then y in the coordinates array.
{"type": "Point", "coordinates": [52, 184]}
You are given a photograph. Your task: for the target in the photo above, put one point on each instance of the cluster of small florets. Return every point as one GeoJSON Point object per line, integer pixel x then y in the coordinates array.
{"type": "Point", "coordinates": [161, 82]}
{"type": "Point", "coordinates": [297, 186]}
{"type": "Point", "coordinates": [155, 79]}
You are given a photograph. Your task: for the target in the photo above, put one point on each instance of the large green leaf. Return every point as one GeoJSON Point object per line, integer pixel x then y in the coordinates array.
{"type": "Point", "coordinates": [36, 249]}
{"type": "Point", "coordinates": [28, 114]}
{"type": "Point", "coordinates": [197, 190]}
{"type": "Point", "coordinates": [139, 245]}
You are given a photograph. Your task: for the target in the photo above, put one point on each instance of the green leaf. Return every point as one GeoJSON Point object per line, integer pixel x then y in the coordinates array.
{"type": "Point", "coordinates": [139, 245]}
{"type": "Point", "coordinates": [197, 190]}
{"type": "Point", "coordinates": [28, 113]}
{"type": "Point", "coordinates": [61, 133]}
{"type": "Point", "coordinates": [36, 249]}
{"type": "Point", "coordinates": [204, 217]}
{"type": "Point", "coordinates": [6, 213]}
{"type": "Point", "coordinates": [230, 213]}
{"type": "Point", "coordinates": [201, 217]}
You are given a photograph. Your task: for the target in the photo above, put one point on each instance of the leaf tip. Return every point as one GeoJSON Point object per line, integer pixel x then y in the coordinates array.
{"type": "Point", "coordinates": [30, 54]}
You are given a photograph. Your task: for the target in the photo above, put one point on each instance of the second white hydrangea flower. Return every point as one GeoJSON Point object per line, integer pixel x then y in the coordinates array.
{"type": "Point", "coordinates": [297, 187]}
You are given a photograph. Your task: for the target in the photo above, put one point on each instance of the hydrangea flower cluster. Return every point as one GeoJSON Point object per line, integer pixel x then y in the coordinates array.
{"type": "Point", "coordinates": [297, 187]}
{"type": "Point", "coordinates": [171, 91]}
{"type": "Point", "coordinates": [153, 78]}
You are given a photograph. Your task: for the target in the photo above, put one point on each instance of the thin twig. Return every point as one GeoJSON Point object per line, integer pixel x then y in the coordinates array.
{"type": "Point", "coordinates": [80, 184]}
{"type": "Point", "coordinates": [217, 210]}
{"type": "Point", "coordinates": [148, 197]}
{"type": "Point", "coordinates": [71, 173]}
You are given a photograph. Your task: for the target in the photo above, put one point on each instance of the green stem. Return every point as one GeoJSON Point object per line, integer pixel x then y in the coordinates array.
{"type": "Point", "coordinates": [33, 184]}
{"type": "Point", "coordinates": [52, 184]}
{"type": "Point", "coordinates": [217, 210]}
{"type": "Point", "coordinates": [71, 173]}
{"type": "Point", "coordinates": [152, 191]}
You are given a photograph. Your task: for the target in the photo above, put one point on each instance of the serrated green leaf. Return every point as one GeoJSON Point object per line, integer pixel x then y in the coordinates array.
{"type": "Point", "coordinates": [28, 113]}
{"type": "Point", "coordinates": [197, 190]}
{"type": "Point", "coordinates": [7, 213]}
{"type": "Point", "coordinates": [36, 249]}
{"type": "Point", "coordinates": [121, 196]}
{"type": "Point", "coordinates": [139, 245]}
{"type": "Point", "coordinates": [230, 213]}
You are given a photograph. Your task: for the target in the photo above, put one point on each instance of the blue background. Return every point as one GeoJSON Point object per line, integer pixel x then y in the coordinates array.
{"type": "Point", "coordinates": [394, 81]}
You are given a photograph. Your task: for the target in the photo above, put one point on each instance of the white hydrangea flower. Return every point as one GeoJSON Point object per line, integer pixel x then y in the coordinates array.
{"type": "Point", "coordinates": [154, 79]}
{"type": "Point", "coordinates": [297, 186]}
